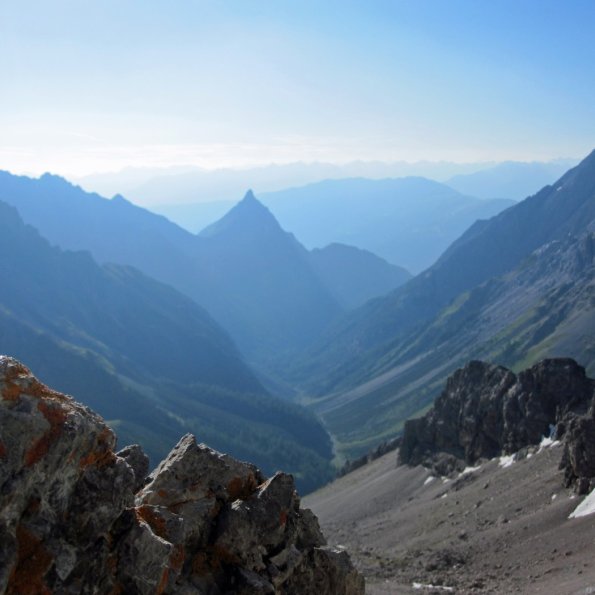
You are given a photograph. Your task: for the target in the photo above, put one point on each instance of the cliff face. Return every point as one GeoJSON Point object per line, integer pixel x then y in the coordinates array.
{"type": "Point", "coordinates": [77, 517]}
{"type": "Point", "coordinates": [487, 411]}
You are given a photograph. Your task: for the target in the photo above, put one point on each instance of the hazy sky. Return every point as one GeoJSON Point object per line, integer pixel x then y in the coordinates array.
{"type": "Point", "coordinates": [96, 85]}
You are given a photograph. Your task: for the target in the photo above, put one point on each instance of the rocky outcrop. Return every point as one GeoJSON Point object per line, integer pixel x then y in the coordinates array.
{"type": "Point", "coordinates": [76, 517]}
{"type": "Point", "coordinates": [382, 449]}
{"type": "Point", "coordinates": [487, 410]}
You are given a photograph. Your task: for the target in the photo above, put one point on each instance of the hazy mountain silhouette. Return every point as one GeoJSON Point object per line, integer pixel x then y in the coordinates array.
{"type": "Point", "coordinates": [255, 279]}
{"type": "Point", "coordinates": [148, 358]}
{"type": "Point", "coordinates": [511, 179]}
{"type": "Point", "coordinates": [354, 276]}
{"type": "Point", "coordinates": [279, 299]}
{"type": "Point", "coordinates": [189, 184]}
{"type": "Point", "coordinates": [512, 289]}
{"type": "Point", "coordinates": [407, 221]}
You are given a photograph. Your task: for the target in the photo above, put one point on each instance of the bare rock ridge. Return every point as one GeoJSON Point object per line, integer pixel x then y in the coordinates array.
{"type": "Point", "coordinates": [77, 517]}
{"type": "Point", "coordinates": [487, 411]}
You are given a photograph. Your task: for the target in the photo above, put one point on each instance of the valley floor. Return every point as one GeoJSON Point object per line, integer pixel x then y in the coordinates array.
{"type": "Point", "coordinates": [492, 530]}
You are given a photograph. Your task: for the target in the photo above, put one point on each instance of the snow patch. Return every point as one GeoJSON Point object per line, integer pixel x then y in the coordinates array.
{"type": "Point", "coordinates": [469, 470]}
{"type": "Point", "coordinates": [587, 506]}
{"type": "Point", "coordinates": [554, 496]}
{"type": "Point", "coordinates": [547, 443]}
{"type": "Point", "coordinates": [506, 460]}
{"type": "Point", "coordinates": [444, 495]}
{"type": "Point", "coordinates": [429, 480]}
{"type": "Point", "coordinates": [428, 587]}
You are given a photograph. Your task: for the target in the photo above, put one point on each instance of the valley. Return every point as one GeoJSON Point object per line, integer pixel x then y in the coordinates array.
{"type": "Point", "coordinates": [361, 343]}
{"type": "Point", "coordinates": [303, 360]}
{"type": "Point", "coordinates": [297, 298]}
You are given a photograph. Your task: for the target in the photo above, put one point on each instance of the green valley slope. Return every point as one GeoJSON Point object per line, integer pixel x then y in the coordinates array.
{"type": "Point", "coordinates": [149, 359]}
{"type": "Point", "coordinates": [512, 289]}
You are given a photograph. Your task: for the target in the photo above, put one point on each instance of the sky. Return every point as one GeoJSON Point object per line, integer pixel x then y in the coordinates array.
{"type": "Point", "coordinates": [98, 85]}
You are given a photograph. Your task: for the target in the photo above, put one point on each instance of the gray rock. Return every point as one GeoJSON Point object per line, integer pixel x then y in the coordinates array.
{"type": "Point", "coordinates": [486, 410]}
{"type": "Point", "coordinates": [578, 458]}
{"type": "Point", "coordinates": [201, 523]}
{"type": "Point", "coordinates": [138, 461]}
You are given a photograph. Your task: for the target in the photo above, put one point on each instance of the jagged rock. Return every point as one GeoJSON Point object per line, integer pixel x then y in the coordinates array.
{"type": "Point", "coordinates": [138, 461]}
{"type": "Point", "coordinates": [578, 458]}
{"type": "Point", "coordinates": [486, 410]}
{"type": "Point", "coordinates": [61, 487]}
{"type": "Point", "coordinates": [201, 523]}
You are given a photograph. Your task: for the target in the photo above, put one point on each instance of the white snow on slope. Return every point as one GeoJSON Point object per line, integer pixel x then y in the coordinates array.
{"type": "Point", "coordinates": [587, 506]}
{"type": "Point", "coordinates": [506, 460]}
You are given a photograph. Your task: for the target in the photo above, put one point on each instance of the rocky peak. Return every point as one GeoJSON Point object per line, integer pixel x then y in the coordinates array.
{"type": "Point", "coordinates": [247, 216]}
{"type": "Point", "coordinates": [77, 517]}
{"type": "Point", "coordinates": [487, 410]}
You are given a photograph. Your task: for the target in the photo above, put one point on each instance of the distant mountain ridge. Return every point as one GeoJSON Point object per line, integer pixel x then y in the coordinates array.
{"type": "Point", "coordinates": [183, 185]}
{"type": "Point", "coordinates": [510, 179]}
{"type": "Point", "coordinates": [355, 276]}
{"type": "Point", "coordinates": [255, 279]}
{"type": "Point", "coordinates": [512, 290]}
{"type": "Point", "coordinates": [149, 359]}
{"type": "Point", "coordinates": [407, 221]}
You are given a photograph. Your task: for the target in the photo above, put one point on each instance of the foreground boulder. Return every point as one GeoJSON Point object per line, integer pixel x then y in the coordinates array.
{"type": "Point", "coordinates": [486, 411]}
{"type": "Point", "coordinates": [77, 517]}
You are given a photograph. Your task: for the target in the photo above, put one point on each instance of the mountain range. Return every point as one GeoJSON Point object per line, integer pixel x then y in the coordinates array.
{"type": "Point", "coordinates": [148, 358]}
{"type": "Point", "coordinates": [510, 179]}
{"type": "Point", "coordinates": [351, 336]}
{"type": "Point", "coordinates": [159, 187]}
{"type": "Point", "coordinates": [511, 289]}
{"type": "Point", "coordinates": [255, 279]}
{"type": "Point", "coordinates": [407, 221]}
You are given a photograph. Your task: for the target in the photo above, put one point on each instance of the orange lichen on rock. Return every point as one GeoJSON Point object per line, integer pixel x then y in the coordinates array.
{"type": "Point", "coordinates": [2, 450]}
{"type": "Point", "coordinates": [33, 561]}
{"type": "Point", "coordinates": [102, 454]}
{"type": "Point", "coordinates": [283, 518]}
{"type": "Point", "coordinates": [13, 389]}
{"type": "Point", "coordinates": [241, 488]}
{"type": "Point", "coordinates": [56, 417]}
{"type": "Point", "coordinates": [149, 515]}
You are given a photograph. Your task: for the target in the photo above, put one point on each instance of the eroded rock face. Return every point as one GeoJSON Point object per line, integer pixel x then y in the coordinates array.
{"type": "Point", "coordinates": [75, 517]}
{"type": "Point", "coordinates": [486, 411]}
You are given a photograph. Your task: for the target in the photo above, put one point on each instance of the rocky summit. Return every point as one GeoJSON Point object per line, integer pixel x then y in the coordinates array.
{"type": "Point", "coordinates": [77, 517]}
{"type": "Point", "coordinates": [487, 411]}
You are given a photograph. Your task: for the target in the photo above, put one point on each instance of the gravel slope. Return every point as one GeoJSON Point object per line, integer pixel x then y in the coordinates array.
{"type": "Point", "coordinates": [493, 530]}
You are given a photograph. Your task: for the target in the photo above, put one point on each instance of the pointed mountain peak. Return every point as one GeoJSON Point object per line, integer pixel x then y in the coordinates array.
{"type": "Point", "coordinates": [248, 215]}
{"type": "Point", "coordinates": [249, 196]}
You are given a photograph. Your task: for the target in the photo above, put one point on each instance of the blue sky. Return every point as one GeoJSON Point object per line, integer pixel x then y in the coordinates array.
{"type": "Point", "coordinates": [98, 85]}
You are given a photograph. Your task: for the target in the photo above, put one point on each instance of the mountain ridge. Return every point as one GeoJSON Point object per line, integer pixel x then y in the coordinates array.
{"type": "Point", "coordinates": [148, 358]}
{"type": "Point", "coordinates": [229, 275]}
{"type": "Point", "coordinates": [386, 360]}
